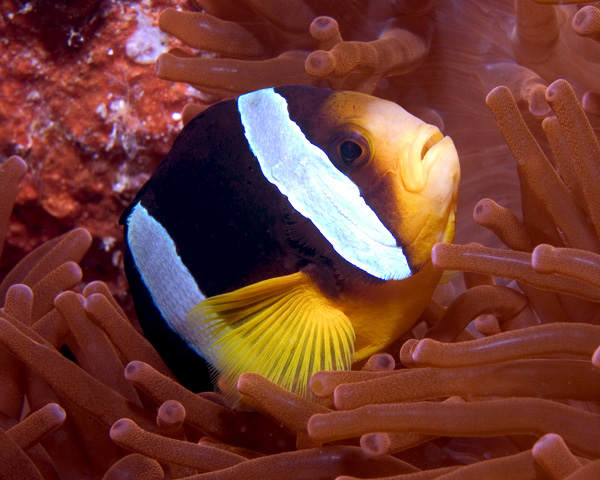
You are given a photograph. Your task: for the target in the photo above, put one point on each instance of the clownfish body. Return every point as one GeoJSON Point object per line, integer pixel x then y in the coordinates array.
{"type": "Point", "coordinates": [289, 231]}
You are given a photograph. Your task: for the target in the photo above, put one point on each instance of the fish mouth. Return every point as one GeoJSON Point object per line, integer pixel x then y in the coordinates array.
{"type": "Point", "coordinates": [431, 174]}
{"type": "Point", "coordinates": [417, 160]}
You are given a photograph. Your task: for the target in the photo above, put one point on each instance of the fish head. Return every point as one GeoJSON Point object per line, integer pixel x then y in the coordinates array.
{"type": "Point", "coordinates": [407, 171]}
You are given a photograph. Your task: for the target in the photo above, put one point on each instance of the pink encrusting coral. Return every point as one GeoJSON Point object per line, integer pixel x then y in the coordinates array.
{"type": "Point", "coordinates": [498, 378]}
{"type": "Point", "coordinates": [74, 103]}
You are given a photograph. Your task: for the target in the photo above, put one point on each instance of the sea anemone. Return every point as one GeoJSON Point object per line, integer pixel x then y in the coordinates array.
{"type": "Point", "coordinates": [438, 60]}
{"type": "Point", "coordinates": [270, 47]}
{"type": "Point", "coordinates": [498, 379]}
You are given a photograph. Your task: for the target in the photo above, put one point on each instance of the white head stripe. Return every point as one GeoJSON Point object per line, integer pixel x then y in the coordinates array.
{"type": "Point", "coordinates": [173, 289]}
{"type": "Point", "coordinates": [316, 189]}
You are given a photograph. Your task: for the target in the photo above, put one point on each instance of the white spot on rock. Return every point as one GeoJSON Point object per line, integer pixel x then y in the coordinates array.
{"type": "Point", "coordinates": [147, 42]}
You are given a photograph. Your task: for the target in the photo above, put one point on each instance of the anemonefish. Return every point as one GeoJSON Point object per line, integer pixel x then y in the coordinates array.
{"type": "Point", "coordinates": [289, 231]}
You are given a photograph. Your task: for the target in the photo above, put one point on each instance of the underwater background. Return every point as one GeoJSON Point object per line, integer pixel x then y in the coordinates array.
{"type": "Point", "coordinates": [85, 105]}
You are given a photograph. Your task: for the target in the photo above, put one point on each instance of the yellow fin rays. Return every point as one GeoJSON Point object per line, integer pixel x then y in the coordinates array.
{"type": "Point", "coordinates": [283, 328]}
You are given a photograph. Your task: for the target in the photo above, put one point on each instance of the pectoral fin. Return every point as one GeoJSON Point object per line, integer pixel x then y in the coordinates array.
{"type": "Point", "coordinates": [283, 328]}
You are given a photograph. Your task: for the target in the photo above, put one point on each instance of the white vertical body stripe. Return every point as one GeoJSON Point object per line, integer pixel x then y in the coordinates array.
{"type": "Point", "coordinates": [316, 189]}
{"type": "Point", "coordinates": [171, 285]}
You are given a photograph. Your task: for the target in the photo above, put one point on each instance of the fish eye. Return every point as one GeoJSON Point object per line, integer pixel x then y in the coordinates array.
{"type": "Point", "coordinates": [350, 148]}
{"type": "Point", "coordinates": [350, 151]}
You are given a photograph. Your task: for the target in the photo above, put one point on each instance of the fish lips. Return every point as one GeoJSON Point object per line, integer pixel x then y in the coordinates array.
{"type": "Point", "coordinates": [442, 169]}
{"type": "Point", "coordinates": [436, 191]}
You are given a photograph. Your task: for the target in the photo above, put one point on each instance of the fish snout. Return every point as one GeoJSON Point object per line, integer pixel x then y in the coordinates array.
{"type": "Point", "coordinates": [419, 157]}
{"type": "Point", "coordinates": [432, 194]}
{"type": "Point", "coordinates": [442, 169]}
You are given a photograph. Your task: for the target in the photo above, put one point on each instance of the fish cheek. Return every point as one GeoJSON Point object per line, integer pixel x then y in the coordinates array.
{"type": "Point", "coordinates": [397, 209]}
{"type": "Point", "coordinates": [403, 213]}
{"type": "Point", "coordinates": [410, 219]}
{"type": "Point", "coordinates": [435, 228]}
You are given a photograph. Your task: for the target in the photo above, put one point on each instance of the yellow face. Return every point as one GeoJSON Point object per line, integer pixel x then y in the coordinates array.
{"type": "Point", "coordinates": [406, 170]}
{"type": "Point", "coordinates": [409, 174]}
